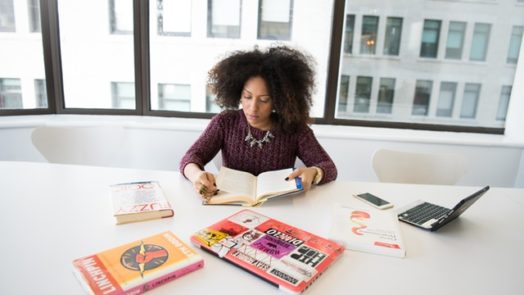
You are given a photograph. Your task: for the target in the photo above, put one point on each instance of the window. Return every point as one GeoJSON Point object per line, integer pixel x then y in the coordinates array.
{"type": "Point", "coordinates": [392, 37]}
{"type": "Point", "coordinates": [479, 43]}
{"type": "Point", "coordinates": [223, 18]}
{"type": "Point", "coordinates": [275, 19]}
{"type": "Point", "coordinates": [348, 33]}
{"type": "Point", "coordinates": [174, 97]}
{"type": "Point", "coordinates": [470, 101]}
{"type": "Point", "coordinates": [174, 17]}
{"type": "Point", "coordinates": [34, 16]}
{"type": "Point", "coordinates": [40, 93]}
{"type": "Point", "coordinates": [446, 99]}
{"type": "Point", "coordinates": [343, 93]}
{"type": "Point", "coordinates": [10, 94]}
{"type": "Point", "coordinates": [121, 17]}
{"type": "Point", "coordinates": [430, 38]}
{"type": "Point", "coordinates": [211, 106]}
{"type": "Point", "coordinates": [386, 94]}
{"type": "Point", "coordinates": [362, 95]}
{"type": "Point", "coordinates": [7, 16]}
{"type": "Point", "coordinates": [123, 95]}
{"type": "Point", "coordinates": [455, 40]}
{"type": "Point", "coordinates": [368, 39]}
{"type": "Point", "coordinates": [514, 44]}
{"type": "Point", "coordinates": [422, 98]}
{"type": "Point", "coordinates": [502, 110]}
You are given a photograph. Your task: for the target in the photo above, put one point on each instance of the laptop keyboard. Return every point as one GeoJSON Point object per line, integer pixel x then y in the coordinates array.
{"type": "Point", "coordinates": [424, 212]}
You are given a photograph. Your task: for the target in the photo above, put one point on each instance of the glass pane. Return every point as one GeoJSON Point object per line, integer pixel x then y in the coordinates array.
{"type": "Point", "coordinates": [432, 81]}
{"type": "Point", "coordinates": [503, 103]}
{"type": "Point", "coordinates": [368, 39]}
{"type": "Point", "coordinates": [173, 17]}
{"type": "Point", "coordinates": [97, 54]}
{"type": "Point", "coordinates": [174, 97]}
{"type": "Point", "coordinates": [222, 27]}
{"type": "Point", "coordinates": [348, 34]}
{"type": "Point", "coordinates": [21, 55]}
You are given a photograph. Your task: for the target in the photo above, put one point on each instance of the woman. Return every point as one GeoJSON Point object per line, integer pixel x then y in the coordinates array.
{"type": "Point", "coordinates": [274, 88]}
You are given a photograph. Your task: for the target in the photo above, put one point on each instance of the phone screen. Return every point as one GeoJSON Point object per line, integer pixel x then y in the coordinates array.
{"type": "Point", "coordinates": [373, 199]}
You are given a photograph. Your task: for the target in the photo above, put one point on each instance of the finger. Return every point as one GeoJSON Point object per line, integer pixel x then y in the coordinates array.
{"type": "Point", "coordinates": [294, 174]}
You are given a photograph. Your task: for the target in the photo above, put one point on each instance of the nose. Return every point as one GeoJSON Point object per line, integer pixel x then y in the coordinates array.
{"type": "Point", "coordinates": [253, 105]}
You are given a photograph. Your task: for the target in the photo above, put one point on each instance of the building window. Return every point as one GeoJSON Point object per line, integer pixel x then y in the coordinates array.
{"type": "Point", "coordinates": [502, 110]}
{"type": "Point", "coordinates": [470, 101]}
{"type": "Point", "coordinates": [223, 18]}
{"type": "Point", "coordinates": [40, 93]}
{"type": "Point", "coordinates": [514, 44]}
{"type": "Point", "coordinates": [386, 93]}
{"type": "Point", "coordinates": [121, 16]}
{"type": "Point", "coordinates": [368, 39]}
{"type": "Point", "coordinates": [446, 99]}
{"type": "Point", "coordinates": [455, 40]}
{"type": "Point", "coordinates": [123, 95]}
{"type": "Point", "coordinates": [422, 97]}
{"type": "Point", "coordinates": [480, 41]}
{"type": "Point", "coordinates": [343, 93]}
{"type": "Point", "coordinates": [10, 94]}
{"type": "Point", "coordinates": [348, 33]}
{"type": "Point", "coordinates": [362, 95]}
{"type": "Point", "coordinates": [211, 106]}
{"type": "Point", "coordinates": [174, 97]}
{"type": "Point", "coordinates": [275, 19]}
{"type": "Point", "coordinates": [34, 16]}
{"type": "Point", "coordinates": [7, 16]}
{"type": "Point", "coordinates": [430, 38]}
{"type": "Point", "coordinates": [174, 17]}
{"type": "Point", "coordinates": [393, 36]}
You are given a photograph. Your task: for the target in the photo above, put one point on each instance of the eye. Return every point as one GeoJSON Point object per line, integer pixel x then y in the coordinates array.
{"type": "Point", "coordinates": [265, 99]}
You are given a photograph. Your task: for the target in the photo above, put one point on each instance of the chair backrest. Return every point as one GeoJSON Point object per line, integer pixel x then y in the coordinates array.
{"type": "Point", "coordinates": [408, 167]}
{"type": "Point", "coordinates": [87, 145]}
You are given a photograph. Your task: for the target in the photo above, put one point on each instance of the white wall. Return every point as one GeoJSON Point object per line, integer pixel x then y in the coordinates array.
{"type": "Point", "coordinates": [159, 143]}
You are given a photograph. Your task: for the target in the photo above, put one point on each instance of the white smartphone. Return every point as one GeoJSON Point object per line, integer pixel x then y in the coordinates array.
{"type": "Point", "coordinates": [374, 201]}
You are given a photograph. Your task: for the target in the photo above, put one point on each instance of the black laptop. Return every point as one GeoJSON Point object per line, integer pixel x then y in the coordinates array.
{"type": "Point", "coordinates": [432, 217]}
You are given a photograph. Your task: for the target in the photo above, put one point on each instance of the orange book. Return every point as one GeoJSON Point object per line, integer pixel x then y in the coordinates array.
{"type": "Point", "coordinates": [136, 267]}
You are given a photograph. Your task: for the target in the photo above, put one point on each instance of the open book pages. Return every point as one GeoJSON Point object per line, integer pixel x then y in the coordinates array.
{"type": "Point", "coordinates": [239, 187]}
{"type": "Point", "coordinates": [368, 230]}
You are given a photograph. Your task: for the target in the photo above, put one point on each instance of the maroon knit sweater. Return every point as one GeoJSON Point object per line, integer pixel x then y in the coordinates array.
{"type": "Point", "coordinates": [226, 132]}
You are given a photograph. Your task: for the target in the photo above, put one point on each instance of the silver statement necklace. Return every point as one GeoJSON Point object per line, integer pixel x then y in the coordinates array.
{"type": "Point", "coordinates": [259, 142]}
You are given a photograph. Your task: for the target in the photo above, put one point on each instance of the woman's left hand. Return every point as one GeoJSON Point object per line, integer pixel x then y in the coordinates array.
{"type": "Point", "coordinates": [306, 174]}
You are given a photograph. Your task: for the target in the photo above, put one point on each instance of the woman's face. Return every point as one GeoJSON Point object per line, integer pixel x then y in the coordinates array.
{"type": "Point", "coordinates": [256, 103]}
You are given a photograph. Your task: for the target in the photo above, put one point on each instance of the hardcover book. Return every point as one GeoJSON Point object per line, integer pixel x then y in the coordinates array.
{"type": "Point", "coordinates": [283, 255]}
{"type": "Point", "coordinates": [136, 267]}
{"type": "Point", "coordinates": [242, 188]}
{"type": "Point", "coordinates": [373, 231]}
{"type": "Point", "coordinates": [137, 201]}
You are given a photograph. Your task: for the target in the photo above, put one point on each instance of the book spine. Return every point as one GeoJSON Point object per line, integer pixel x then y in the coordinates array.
{"type": "Point", "coordinates": [165, 278]}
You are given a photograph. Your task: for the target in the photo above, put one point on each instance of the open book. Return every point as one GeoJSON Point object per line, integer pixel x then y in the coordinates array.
{"type": "Point", "coordinates": [243, 188]}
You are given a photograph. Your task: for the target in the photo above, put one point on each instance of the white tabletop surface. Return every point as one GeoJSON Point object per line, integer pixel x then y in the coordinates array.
{"type": "Point", "coordinates": [52, 214]}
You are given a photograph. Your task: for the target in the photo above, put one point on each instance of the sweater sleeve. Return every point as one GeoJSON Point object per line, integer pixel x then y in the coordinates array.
{"type": "Point", "coordinates": [206, 146]}
{"type": "Point", "coordinates": [313, 154]}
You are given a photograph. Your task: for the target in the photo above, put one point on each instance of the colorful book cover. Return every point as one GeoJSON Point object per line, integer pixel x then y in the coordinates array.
{"type": "Point", "coordinates": [373, 231]}
{"type": "Point", "coordinates": [283, 255]}
{"type": "Point", "coordinates": [136, 267]}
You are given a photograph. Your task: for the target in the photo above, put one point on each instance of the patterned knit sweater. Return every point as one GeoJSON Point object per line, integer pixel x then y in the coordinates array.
{"type": "Point", "coordinates": [227, 132]}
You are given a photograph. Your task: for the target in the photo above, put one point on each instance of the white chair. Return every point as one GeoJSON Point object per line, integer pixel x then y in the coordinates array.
{"type": "Point", "coordinates": [86, 145]}
{"type": "Point", "coordinates": [409, 167]}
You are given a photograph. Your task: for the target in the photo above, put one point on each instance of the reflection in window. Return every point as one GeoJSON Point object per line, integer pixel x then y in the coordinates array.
{"type": "Point", "coordinates": [393, 34]}
{"type": "Point", "coordinates": [430, 38]}
{"type": "Point", "coordinates": [470, 100]}
{"type": "Point", "coordinates": [343, 93]}
{"type": "Point", "coordinates": [368, 39]}
{"type": "Point", "coordinates": [455, 40]}
{"type": "Point", "coordinates": [7, 16]}
{"type": "Point", "coordinates": [174, 97]}
{"type": "Point", "coordinates": [479, 43]}
{"type": "Point", "coordinates": [348, 33]}
{"type": "Point", "coordinates": [174, 17]}
{"type": "Point", "coordinates": [446, 99]}
{"type": "Point", "coordinates": [502, 110]}
{"type": "Point", "coordinates": [34, 16]}
{"type": "Point", "coordinates": [121, 16]}
{"type": "Point", "coordinates": [362, 95]}
{"type": "Point", "coordinates": [10, 94]}
{"type": "Point", "coordinates": [123, 95]}
{"type": "Point", "coordinates": [275, 19]}
{"type": "Point", "coordinates": [211, 106]}
{"type": "Point", "coordinates": [40, 93]}
{"type": "Point", "coordinates": [386, 94]}
{"type": "Point", "coordinates": [514, 44]}
{"type": "Point", "coordinates": [422, 97]}
{"type": "Point", "coordinates": [223, 18]}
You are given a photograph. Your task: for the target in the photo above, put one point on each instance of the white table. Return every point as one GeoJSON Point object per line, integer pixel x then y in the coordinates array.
{"type": "Point", "coordinates": [52, 214]}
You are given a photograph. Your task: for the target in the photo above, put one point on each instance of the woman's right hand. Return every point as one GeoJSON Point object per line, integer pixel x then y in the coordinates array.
{"type": "Point", "coordinates": [203, 182]}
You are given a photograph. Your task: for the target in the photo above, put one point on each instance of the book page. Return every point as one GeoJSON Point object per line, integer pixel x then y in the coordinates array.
{"type": "Point", "coordinates": [274, 182]}
{"type": "Point", "coordinates": [234, 182]}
